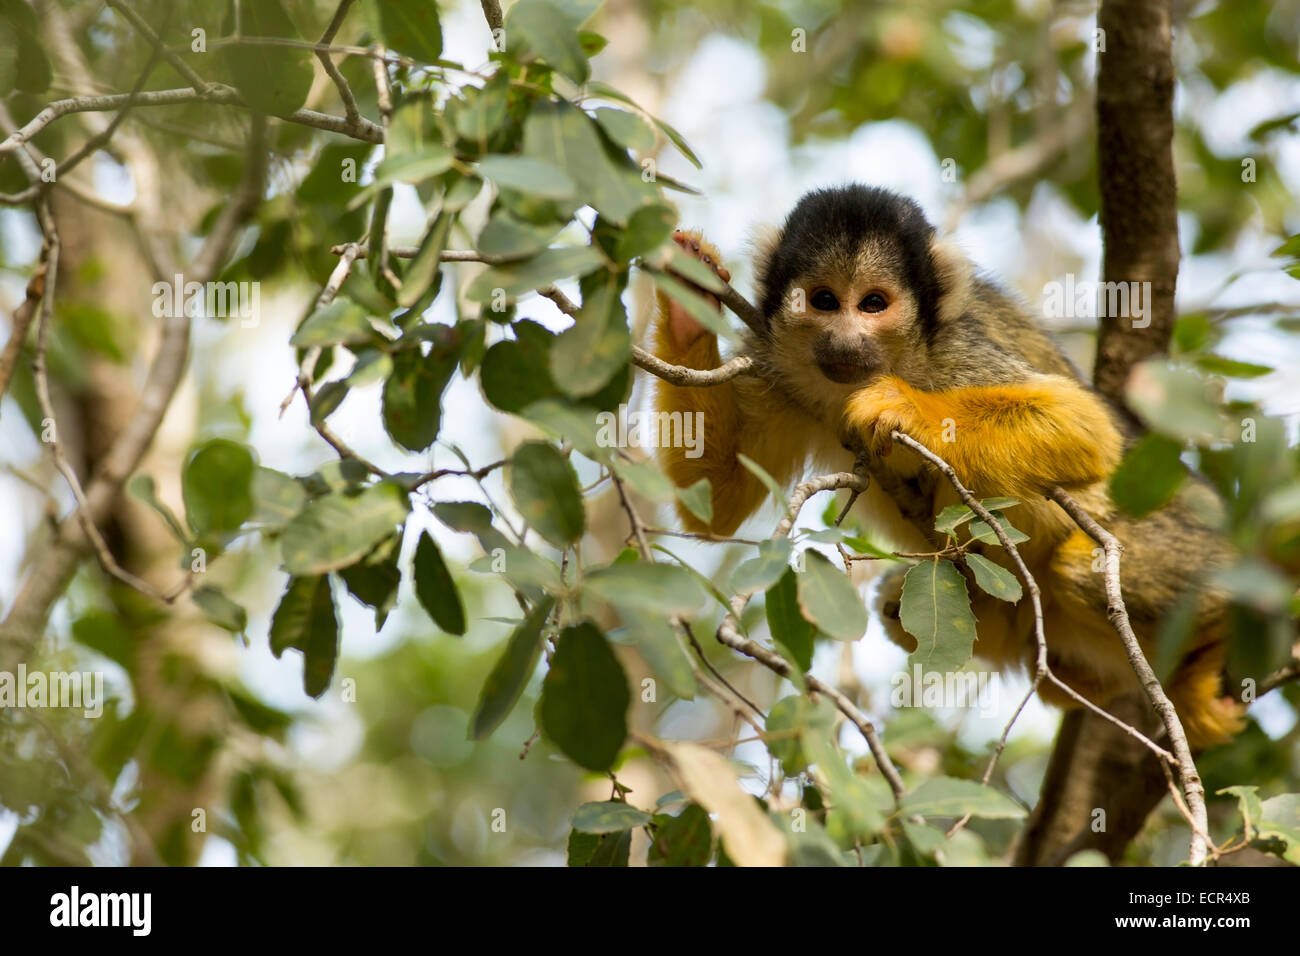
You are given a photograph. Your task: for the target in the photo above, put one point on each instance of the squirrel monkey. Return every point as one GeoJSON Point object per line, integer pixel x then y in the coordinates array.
{"type": "Point", "coordinates": [871, 323]}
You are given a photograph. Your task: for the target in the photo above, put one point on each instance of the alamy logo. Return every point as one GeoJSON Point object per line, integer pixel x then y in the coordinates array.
{"type": "Point", "coordinates": [1095, 300]}
{"type": "Point", "coordinates": [76, 689]}
{"type": "Point", "coordinates": [632, 429]}
{"type": "Point", "coordinates": [242, 300]}
{"type": "Point", "coordinates": [103, 909]}
{"type": "Point", "coordinates": [956, 689]}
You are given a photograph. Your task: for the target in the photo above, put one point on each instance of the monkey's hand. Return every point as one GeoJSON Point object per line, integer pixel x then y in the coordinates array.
{"type": "Point", "coordinates": [1018, 439]}
{"type": "Point", "coordinates": [873, 413]}
{"type": "Point", "coordinates": [678, 331]}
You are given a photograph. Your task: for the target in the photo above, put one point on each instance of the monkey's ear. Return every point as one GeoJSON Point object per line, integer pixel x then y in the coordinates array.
{"type": "Point", "coordinates": [763, 241]}
{"type": "Point", "coordinates": [953, 271]}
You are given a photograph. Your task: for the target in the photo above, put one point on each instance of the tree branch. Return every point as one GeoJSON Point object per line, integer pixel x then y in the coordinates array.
{"type": "Point", "coordinates": [1188, 777]}
{"type": "Point", "coordinates": [142, 27]}
{"type": "Point", "coordinates": [729, 634]}
{"type": "Point", "coordinates": [332, 71]}
{"type": "Point", "coordinates": [360, 128]}
{"type": "Point", "coordinates": [52, 567]}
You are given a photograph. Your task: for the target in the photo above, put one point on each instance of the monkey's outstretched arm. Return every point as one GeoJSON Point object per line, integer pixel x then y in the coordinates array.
{"type": "Point", "coordinates": [734, 417]}
{"type": "Point", "coordinates": [1018, 439]}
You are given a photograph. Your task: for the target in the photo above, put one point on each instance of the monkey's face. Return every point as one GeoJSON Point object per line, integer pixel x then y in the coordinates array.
{"type": "Point", "coordinates": [859, 318]}
{"type": "Point", "coordinates": [849, 319]}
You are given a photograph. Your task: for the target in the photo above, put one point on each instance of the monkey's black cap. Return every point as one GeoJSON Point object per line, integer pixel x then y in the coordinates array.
{"type": "Point", "coordinates": [833, 224]}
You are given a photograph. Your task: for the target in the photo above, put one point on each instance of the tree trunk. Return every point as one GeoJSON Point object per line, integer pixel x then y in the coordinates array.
{"type": "Point", "coordinates": [1095, 766]}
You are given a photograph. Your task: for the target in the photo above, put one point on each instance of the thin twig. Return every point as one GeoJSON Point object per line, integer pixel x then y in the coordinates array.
{"type": "Point", "coordinates": [1042, 671]}
{"type": "Point", "coordinates": [50, 428]}
{"type": "Point", "coordinates": [729, 634]}
{"type": "Point", "coordinates": [142, 27]}
{"type": "Point", "coordinates": [1188, 776]}
{"type": "Point", "coordinates": [360, 128]}
{"type": "Point", "coordinates": [332, 71]}
{"type": "Point", "coordinates": [691, 377]}
{"type": "Point", "coordinates": [1283, 675]}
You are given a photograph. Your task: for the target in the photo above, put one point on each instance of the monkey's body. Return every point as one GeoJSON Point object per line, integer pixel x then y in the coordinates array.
{"type": "Point", "coordinates": [962, 368]}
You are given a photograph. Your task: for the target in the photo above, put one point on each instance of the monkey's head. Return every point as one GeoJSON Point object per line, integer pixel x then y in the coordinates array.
{"type": "Point", "coordinates": [855, 286]}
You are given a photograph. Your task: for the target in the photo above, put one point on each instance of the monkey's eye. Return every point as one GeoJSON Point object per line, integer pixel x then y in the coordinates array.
{"type": "Point", "coordinates": [823, 300]}
{"type": "Point", "coordinates": [875, 302]}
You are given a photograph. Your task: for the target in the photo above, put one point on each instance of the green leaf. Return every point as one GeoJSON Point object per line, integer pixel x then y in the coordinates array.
{"type": "Point", "coordinates": [678, 141]}
{"type": "Point", "coordinates": [435, 588]}
{"type": "Point", "coordinates": [546, 268]}
{"type": "Point", "coordinates": [574, 424]}
{"type": "Point", "coordinates": [220, 610]}
{"type": "Point", "coordinates": [762, 572]}
{"type": "Point", "coordinates": [605, 849]}
{"type": "Point", "coordinates": [792, 632]}
{"type": "Point", "coordinates": [515, 374]}
{"type": "Point", "coordinates": [530, 175]}
{"type": "Point", "coordinates": [585, 699]}
{"type": "Point", "coordinates": [509, 676]}
{"type": "Point", "coordinates": [432, 159]}
{"type": "Point", "coordinates": [935, 609]}
{"type": "Point", "coordinates": [338, 474]}
{"type": "Point", "coordinates": [423, 275]}
{"type": "Point", "coordinates": [328, 398]}
{"type": "Point", "coordinates": [759, 472]}
{"type": "Point", "coordinates": [683, 840]}
{"type": "Point", "coordinates": [788, 721]}
{"type": "Point", "coordinates": [658, 643]}
{"type": "Point", "coordinates": [271, 79]}
{"type": "Point", "coordinates": [640, 586]}
{"type": "Point", "coordinates": [566, 137]}
{"type": "Point", "coordinates": [1231, 368]}
{"type": "Point", "coordinates": [1175, 401]}
{"type": "Point", "coordinates": [342, 322]}
{"type": "Point", "coordinates": [828, 599]}
{"type": "Point", "coordinates": [216, 484]}
{"type": "Point", "coordinates": [1248, 803]}
{"type": "Point", "coordinates": [23, 64]}
{"type": "Point", "coordinates": [1149, 475]}
{"type": "Point", "coordinates": [337, 529]}
{"type": "Point", "coordinates": [325, 185]}
{"type": "Point", "coordinates": [506, 236]}
{"type": "Point", "coordinates": [647, 229]}
{"type": "Point", "coordinates": [464, 516]}
{"type": "Point", "coordinates": [954, 516]}
{"type": "Point", "coordinates": [644, 477]}
{"type": "Point", "coordinates": [374, 580]}
{"type": "Point", "coordinates": [980, 530]}
{"type": "Point", "coordinates": [142, 487]}
{"type": "Point", "coordinates": [627, 129]}
{"type": "Point", "coordinates": [410, 27]}
{"type": "Point", "coordinates": [698, 499]}
{"type": "Point", "coordinates": [586, 355]}
{"type": "Point", "coordinates": [1289, 249]}
{"type": "Point", "coordinates": [608, 816]}
{"type": "Point", "coordinates": [676, 138]}
{"type": "Point", "coordinates": [952, 797]}
{"type": "Point", "coordinates": [277, 497]}
{"type": "Point", "coordinates": [105, 632]}
{"type": "Point", "coordinates": [695, 305]}
{"type": "Point", "coordinates": [1280, 823]}
{"type": "Point", "coordinates": [541, 30]}
{"type": "Point", "coordinates": [305, 620]}
{"type": "Point", "coordinates": [545, 490]}
{"type": "Point", "coordinates": [993, 578]}
{"type": "Point", "coordinates": [413, 396]}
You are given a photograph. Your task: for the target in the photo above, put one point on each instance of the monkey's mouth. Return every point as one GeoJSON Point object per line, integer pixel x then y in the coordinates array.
{"type": "Point", "coordinates": [846, 373]}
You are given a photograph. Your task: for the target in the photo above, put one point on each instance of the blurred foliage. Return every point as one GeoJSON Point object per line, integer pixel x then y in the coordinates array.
{"type": "Point", "coordinates": [550, 174]}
